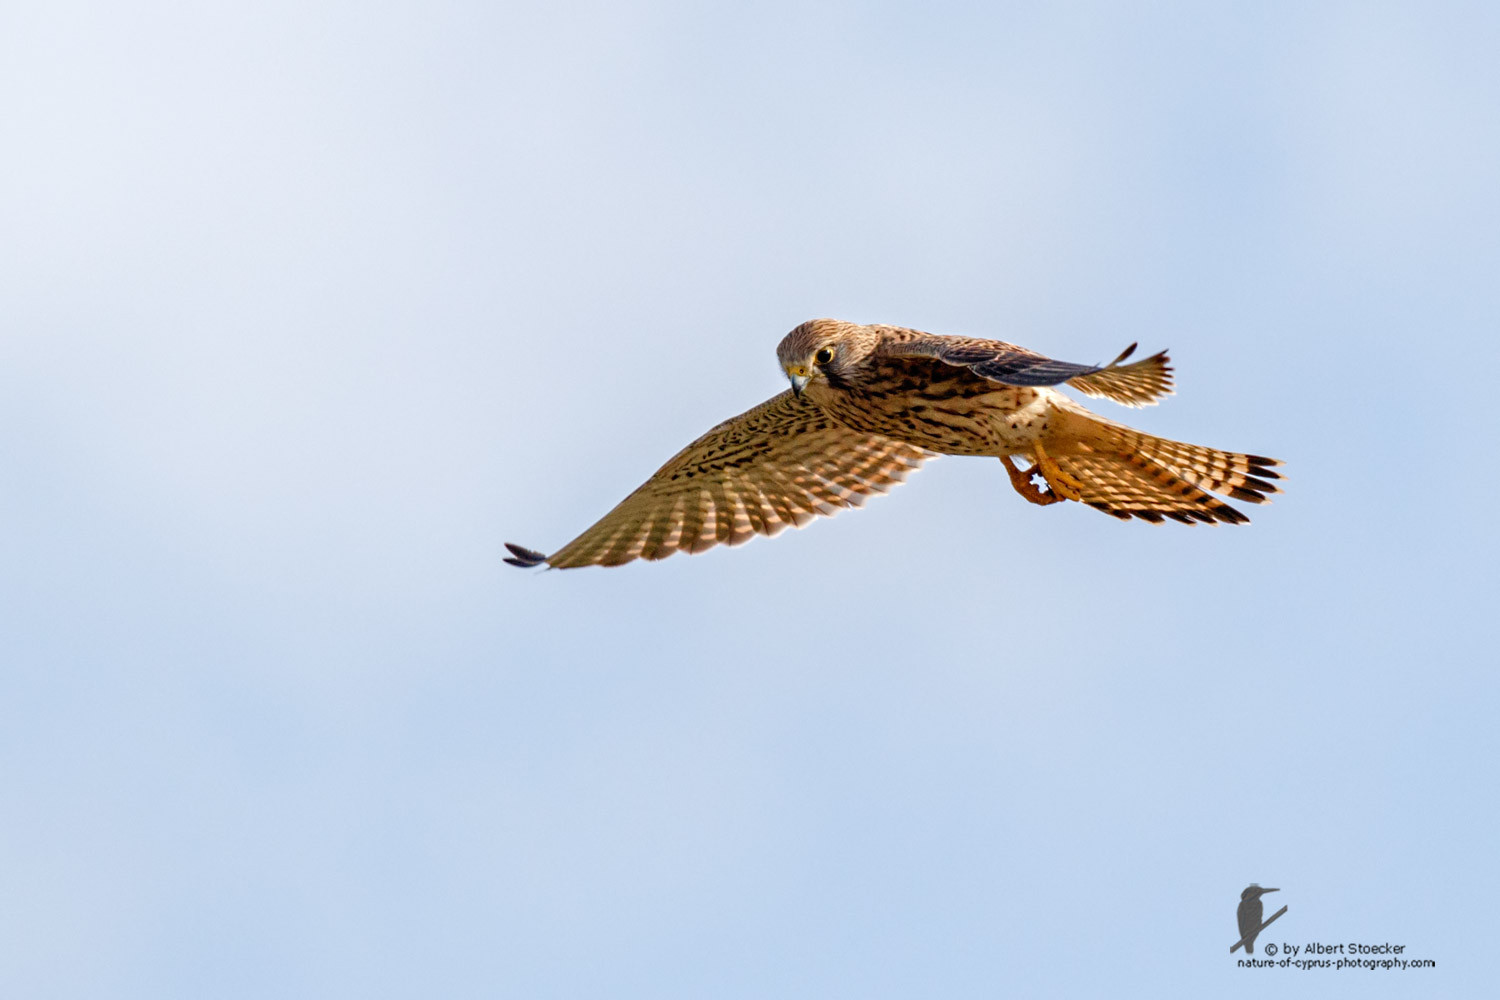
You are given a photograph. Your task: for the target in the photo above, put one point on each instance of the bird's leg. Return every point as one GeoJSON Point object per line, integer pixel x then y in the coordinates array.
{"type": "Point", "coordinates": [1061, 484]}
{"type": "Point", "coordinates": [1021, 480]}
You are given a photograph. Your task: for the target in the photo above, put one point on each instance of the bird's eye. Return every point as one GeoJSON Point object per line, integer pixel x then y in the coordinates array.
{"type": "Point", "coordinates": [824, 355]}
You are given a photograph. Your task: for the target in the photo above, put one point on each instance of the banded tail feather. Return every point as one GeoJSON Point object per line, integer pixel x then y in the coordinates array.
{"type": "Point", "coordinates": [1126, 473]}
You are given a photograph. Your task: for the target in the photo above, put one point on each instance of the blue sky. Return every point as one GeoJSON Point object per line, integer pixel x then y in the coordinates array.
{"type": "Point", "coordinates": [306, 308]}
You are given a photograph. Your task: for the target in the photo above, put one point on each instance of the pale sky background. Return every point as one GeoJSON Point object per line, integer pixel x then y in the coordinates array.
{"type": "Point", "coordinates": [305, 308]}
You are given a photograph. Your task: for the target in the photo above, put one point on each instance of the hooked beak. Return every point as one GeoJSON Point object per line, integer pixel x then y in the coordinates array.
{"type": "Point", "coordinates": [799, 376]}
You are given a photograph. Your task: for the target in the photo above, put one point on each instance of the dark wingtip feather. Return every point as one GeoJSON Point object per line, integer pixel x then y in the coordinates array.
{"type": "Point", "coordinates": [1260, 485]}
{"type": "Point", "coordinates": [1229, 515]}
{"type": "Point", "coordinates": [1248, 495]}
{"type": "Point", "coordinates": [523, 557]}
{"type": "Point", "coordinates": [1100, 505]}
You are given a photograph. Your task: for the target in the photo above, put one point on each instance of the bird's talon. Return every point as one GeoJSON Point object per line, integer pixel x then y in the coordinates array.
{"type": "Point", "coordinates": [1063, 486]}
{"type": "Point", "coordinates": [1021, 480]}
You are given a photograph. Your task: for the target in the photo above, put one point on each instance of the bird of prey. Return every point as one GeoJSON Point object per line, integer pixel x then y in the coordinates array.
{"type": "Point", "coordinates": [868, 404]}
{"type": "Point", "coordinates": [1249, 913]}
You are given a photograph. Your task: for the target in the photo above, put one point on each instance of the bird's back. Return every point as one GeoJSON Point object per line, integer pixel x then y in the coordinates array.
{"type": "Point", "coordinates": [925, 402]}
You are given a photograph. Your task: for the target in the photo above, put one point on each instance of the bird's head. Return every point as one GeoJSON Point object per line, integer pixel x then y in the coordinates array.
{"type": "Point", "coordinates": [825, 353]}
{"type": "Point", "coordinates": [1254, 891]}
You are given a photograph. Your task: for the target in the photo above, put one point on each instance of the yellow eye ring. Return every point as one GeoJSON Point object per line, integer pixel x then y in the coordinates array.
{"type": "Point", "coordinates": [824, 355]}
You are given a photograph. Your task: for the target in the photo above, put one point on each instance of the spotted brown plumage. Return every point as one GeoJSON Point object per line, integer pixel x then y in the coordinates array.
{"type": "Point", "coordinates": [869, 403]}
{"type": "Point", "coordinates": [773, 467]}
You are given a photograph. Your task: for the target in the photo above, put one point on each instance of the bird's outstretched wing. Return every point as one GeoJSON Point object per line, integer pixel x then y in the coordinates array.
{"type": "Point", "coordinates": [779, 464]}
{"type": "Point", "coordinates": [1140, 383]}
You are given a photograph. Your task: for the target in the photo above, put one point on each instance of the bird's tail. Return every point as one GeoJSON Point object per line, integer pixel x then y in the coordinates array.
{"type": "Point", "coordinates": [1250, 947]}
{"type": "Point", "coordinates": [1127, 473]}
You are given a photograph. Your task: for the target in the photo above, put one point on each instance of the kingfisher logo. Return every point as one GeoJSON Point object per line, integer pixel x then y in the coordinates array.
{"type": "Point", "coordinates": [1249, 915]}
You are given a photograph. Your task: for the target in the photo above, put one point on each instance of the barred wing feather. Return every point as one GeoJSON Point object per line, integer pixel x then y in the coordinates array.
{"type": "Point", "coordinates": [772, 467]}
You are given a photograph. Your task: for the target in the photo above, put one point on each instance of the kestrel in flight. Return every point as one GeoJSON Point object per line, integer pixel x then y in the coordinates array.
{"type": "Point", "coordinates": [868, 404]}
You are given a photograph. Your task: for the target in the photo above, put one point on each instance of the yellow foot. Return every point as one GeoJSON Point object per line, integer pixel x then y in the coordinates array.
{"type": "Point", "coordinates": [1021, 480]}
{"type": "Point", "coordinates": [1061, 484]}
